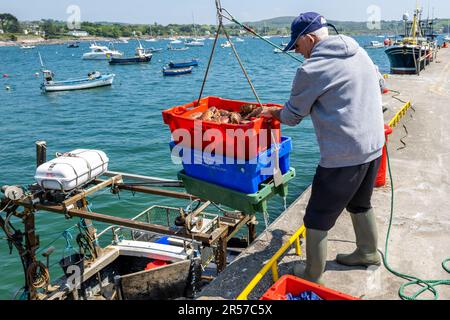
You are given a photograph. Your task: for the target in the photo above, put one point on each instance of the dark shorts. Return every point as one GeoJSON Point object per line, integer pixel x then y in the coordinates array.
{"type": "Point", "coordinates": [336, 189]}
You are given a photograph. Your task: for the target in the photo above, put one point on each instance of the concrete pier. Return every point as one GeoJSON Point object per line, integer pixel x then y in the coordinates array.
{"type": "Point", "coordinates": [419, 149]}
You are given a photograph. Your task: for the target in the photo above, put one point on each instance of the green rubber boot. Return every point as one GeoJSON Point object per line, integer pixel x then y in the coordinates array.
{"type": "Point", "coordinates": [316, 256]}
{"type": "Point", "coordinates": [366, 253]}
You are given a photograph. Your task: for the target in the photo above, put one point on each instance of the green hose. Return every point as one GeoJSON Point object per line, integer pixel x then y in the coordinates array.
{"type": "Point", "coordinates": [427, 285]}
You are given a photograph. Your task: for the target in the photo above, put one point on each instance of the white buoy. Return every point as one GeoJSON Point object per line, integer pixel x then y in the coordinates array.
{"type": "Point", "coordinates": [7, 88]}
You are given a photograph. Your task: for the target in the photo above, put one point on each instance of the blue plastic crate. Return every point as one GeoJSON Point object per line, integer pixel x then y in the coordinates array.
{"type": "Point", "coordinates": [242, 176]}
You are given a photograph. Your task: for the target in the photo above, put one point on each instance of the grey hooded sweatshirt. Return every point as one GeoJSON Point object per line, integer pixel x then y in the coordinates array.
{"type": "Point", "coordinates": [339, 88]}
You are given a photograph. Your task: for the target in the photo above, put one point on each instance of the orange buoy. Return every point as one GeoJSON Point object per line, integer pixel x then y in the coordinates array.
{"type": "Point", "coordinates": [387, 42]}
{"type": "Point", "coordinates": [155, 264]}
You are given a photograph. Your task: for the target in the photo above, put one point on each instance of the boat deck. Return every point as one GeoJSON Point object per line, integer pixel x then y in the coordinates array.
{"type": "Point", "coordinates": [420, 237]}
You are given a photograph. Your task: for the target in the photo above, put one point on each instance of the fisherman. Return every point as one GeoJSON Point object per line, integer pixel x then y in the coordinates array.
{"type": "Point", "coordinates": [337, 85]}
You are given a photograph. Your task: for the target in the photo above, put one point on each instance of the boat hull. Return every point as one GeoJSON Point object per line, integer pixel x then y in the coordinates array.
{"type": "Point", "coordinates": [176, 72]}
{"type": "Point", "coordinates": [100, 56]}
{"type": "Point", "coordinates": [133, 60]}
{"type": "Point", "coordinates": [178, 49]}
{"type": "Point", "coordinates": [194, 44]}
{"type": "Point", "coordinates": [105, 80]}
{"type": "Point", "coordinates": [403, 59]}
{"type": "Point", "coordinates": [185, 64]}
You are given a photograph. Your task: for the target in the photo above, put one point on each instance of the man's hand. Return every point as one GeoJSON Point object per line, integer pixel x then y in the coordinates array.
{"type": "Point", "coordinates": [271, 112]}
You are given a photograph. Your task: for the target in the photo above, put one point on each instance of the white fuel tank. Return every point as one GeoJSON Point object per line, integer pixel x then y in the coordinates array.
{"type": "Point", "coordinates": [71, 169]}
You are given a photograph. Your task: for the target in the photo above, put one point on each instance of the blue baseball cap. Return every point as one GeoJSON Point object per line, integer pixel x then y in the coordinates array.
{"type": "Point", "coordinates": [305, 23]}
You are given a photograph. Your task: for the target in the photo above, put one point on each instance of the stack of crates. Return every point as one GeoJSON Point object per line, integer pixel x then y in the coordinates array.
{"type": "Point", "coordinates": [239, 166]}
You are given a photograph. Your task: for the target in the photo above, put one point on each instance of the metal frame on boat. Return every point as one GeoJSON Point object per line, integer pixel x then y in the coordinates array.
{"type": "Point", "coordinates": [187, 239]}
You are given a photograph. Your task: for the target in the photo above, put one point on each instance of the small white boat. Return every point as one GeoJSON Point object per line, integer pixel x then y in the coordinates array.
{"type": "Point", "coordinates": [226, 44]}
{"type": "Point", "coordinates": [151, 40]}
{"type": "Point", "coordinates": [239, 39]}
{"type": "Point", "coordinates": [27, 47]}
{"type": "Point", "coordinates": [176, 41]}
{"type": "Point", "coordinates": [101, 53]}
{"type": "Point", "coordinates": [194, 43]}
{"type": "Point", "coordinates": [171, 48]}
{"type": "Point", "coordinates": [94, 80]}
{"type": "Point", "coordinates": [280, 51]}
{"type": "Point", "coordinates": [447, 38]}
{"type": "Point", "coordinates": [375, 44]}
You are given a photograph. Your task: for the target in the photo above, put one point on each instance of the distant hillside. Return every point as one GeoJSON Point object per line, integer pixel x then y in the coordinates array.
{"type": "Point", "coordinates": [283, 24]}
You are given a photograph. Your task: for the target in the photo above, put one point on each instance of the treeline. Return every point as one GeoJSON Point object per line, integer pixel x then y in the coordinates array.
{"type": "Point", "coordinates": [116, 30]}
{"type": "Point", "coordinates": [55, 29]}
{"type": "Point", "coordinates": [281, 25]}
{"type": "Point", "coordinates": [9, 23]}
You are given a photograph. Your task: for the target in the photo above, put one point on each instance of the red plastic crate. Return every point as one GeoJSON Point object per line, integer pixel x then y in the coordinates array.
{"type": "Point", "coordinates": [291, 284]}
{"type": "Point", "coordinates": [226, 144]}
{"type": "Point", "coordinates": [155, 264]}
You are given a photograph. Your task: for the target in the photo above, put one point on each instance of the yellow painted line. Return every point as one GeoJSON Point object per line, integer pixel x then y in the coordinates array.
{"type": "Point", "coordinates": [273, 263]}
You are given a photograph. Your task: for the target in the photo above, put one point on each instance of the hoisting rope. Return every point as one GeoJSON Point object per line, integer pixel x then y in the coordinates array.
{"type": "Point", "coordinates": [250, 30]}
{"type": "Point", "coordinates": [220, 26]}
{"type": "Point", "coordinates": [220, 16]}
{"type": "Point", "coordinates": [427, 285]}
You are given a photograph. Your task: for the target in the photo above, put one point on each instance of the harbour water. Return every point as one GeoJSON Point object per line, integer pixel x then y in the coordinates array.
{"type": "Point", "coordinates": [125, 122]}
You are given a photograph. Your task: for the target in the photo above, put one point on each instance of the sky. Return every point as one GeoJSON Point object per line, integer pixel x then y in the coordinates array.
{"type": "Point", "coordinates": [203, 11]}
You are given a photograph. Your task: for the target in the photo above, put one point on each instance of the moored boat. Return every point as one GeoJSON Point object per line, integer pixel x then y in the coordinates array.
{"type": "Point", "coordinates": [410, 54]}
{"type": "Point", "coordinates": [94, 80]}
{"type": "Point", "coordinates": [404, 58]}
{"type": "Point", "coordinates": [167, 71]}
{"type": "Point", "coordinates": [171, 48]}
{"type": "Point", "coordinates": [183, 64]}
{"type": "Point", "coordinates": [226, 44]}
{"type": "Point", "coordinates": [73, 44]}
{"type": "Point", "coordinates": [194, 43]}
{"type": "Point", "coordinates": [375, 45]}
{"type": "Point", "coordinates": [101, 53]}
{"type": "Point", "coordinates": [153, 50]}
{"type": "Point", "coordinates": [141, 56]}
{"type": "Point", "coordinates": [132, 60]}
{"type": "Point", "coordinates": [276, 50]}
